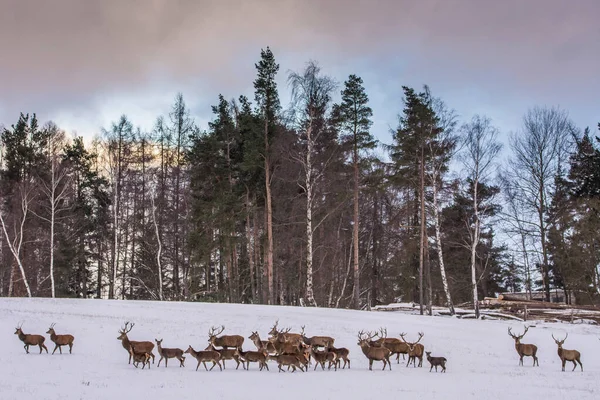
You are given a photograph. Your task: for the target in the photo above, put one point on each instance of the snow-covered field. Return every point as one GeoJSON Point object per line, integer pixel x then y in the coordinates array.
{"type": "Point", "coordinates": [482, 361]}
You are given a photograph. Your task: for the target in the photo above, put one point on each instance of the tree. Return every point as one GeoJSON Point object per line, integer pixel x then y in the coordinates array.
{"type": "Point", "coordinates": [538, 150]}
{"type": "Point", "coordinates": [354, 118]}
{"type": "Point", "coordinates": [481, 149]}
{"type": "Point", "coordinates": [311, 95]}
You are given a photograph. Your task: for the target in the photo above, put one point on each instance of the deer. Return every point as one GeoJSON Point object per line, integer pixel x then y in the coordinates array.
{"type": "Point", "coordinates": [30, 340]}
{"type": "Point", "coordinates": [227, 354]}
{"type": "Point", "coordinates": [139, 357]}
{"type": "Point", "coordinates": [284, 335]}
{"type": "Point", "coordinates": [269, 347]}
{"type": "Point", "coordinates": [290, 360]}
{"type": "Point", "coordinates": [282, 346]}
{"type": "Point", "coordinates": [321, 341]}
{"type": "Point", "coordinates": [415, 350]}
{"type": "Point", "coordinates": [165, 354]}
{"type": "Point", "coordinates": [259, 356]}
{"type": "Point", "coordinates": [341, 353]}
{"type": "Point", "coordinates": [373, 353]}
{"type": "Point", "coordinates": [204, 356]}
{"type": "Point", "coordinates": [396, 346]}
{"type": "Point", "coordinates": [568, 355]}
{"type": "Point", "coordinates": [60, 340]}
{"type": "Point", "coordinates": [435, 361]}
{"type": "Point", "coordinates": [321, 357]}
{"type": "Point", "coordinates": [139, 347]}
{"type": "Point", "coordinates": [523, 350]}
{"type": "Point", "coordinates": [225, 341]}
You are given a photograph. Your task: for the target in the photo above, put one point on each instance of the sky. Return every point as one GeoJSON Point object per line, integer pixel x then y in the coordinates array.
{"type": "Point", "coordinates": [84, 63]}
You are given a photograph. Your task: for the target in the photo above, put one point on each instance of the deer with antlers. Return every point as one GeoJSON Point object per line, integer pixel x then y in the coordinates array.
{"type": "Point", "coordinates": [206, 356]}
{"type": "Point", "coordinates": [139, 347]}
{"type": "Point", "coordinates": [529, 350]}
{"type": "Point", "coordinates": [396, 346]}
{"type": "Point", "coordinates": [415, 350]}
{"type": "Point", "coordinates": [269, 347]}
{"type": "Point", "coordinates": [319, 341]}
{"type": "Point", "coordinates": [166, 353]}
{"type": "Point", "coordinates": [225, 341]}
{"type": "Point", "coordinates": [568, 355]}
{"type": "Point", "coordinates": [60, 340]}
{"type": "Point", "coordinates": [139, 357]}
{"type": "Point", "coordinates": [284, 335]}
{"type": "Point", "coordinates": [373, 353]}
{"type": "Point", "coordinates": [30, 340]}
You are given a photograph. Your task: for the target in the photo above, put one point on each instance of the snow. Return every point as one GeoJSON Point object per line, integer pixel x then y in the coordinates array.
{"type": "Point", "coordinates": [482, 361]}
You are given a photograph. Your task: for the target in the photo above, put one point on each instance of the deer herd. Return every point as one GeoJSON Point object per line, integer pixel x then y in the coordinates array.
{"type": "Point", "coordinates": [291, 350]}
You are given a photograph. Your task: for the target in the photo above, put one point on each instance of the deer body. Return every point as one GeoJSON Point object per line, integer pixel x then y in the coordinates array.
{"type": "Point", "coordinates": [568, 355]}
{"type": "Point", "coordinates": [374, 353]}
{"type": "Point", "coordinates": [225, 341]}
{"type": "Point", "coordinates": [321, 357]}
{"type": "Point", "coordinates": [139, 347]}
{"type": "Point", "coordinates": [204, 356]}
{"type": "Point", "coordinates": [255, 337]}
{"type": "Point", "coordinates": [415, 350]}
{"type": "Point", "coordinates": [524, 350]}
{"type": "Point", "coordinates": [436, 361]}
{"type": "Point", "coordinates": [284, 336]}
{"type": "Point", "coordinates": [341, 354]}
{"type": "Point", "coordinates": [259, 357]}
{"type": "Point", "coordinates": [31, 340]}
{"type": "Point", "coordinates": [228, 354]}
{"type": "Point", "coordinates": [166, 353]}
{"type": "Point", "coordinates": [321, 341]}
{"type": "Point", "coordinates": [290, 361]}
{"type": "Point", "coordinates": [139, 357]}
{"type": "Point", "coordinates": [60, 340]}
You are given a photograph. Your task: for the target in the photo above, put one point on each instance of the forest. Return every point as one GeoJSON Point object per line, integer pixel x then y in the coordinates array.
{"type": "Point", "coordinates": [297, 203]}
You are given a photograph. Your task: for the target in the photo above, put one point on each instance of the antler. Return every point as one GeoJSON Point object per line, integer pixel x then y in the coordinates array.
{"type": "Point", "coordinates": [125, 330]}
{"type": "Point", "coordinates": [302, 332]}
{"type": "Point", "coordinates": [52, 326]}
{"type": "Point", "coordinates": [560, 341]}
{"type": "Point", "coordinates": [383, 332]}
{"type": "Point", "coordinates": [213, 331]}
{"type": "Point", "coordinates": [421, 334]}
{"type": "Point", "coordinates": [402, 336]}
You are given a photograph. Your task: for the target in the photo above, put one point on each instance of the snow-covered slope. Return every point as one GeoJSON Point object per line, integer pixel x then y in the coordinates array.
{"type": "Point", "coordinates": [482, 361]}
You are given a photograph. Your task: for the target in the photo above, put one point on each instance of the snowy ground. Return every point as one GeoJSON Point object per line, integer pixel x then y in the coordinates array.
{"type": "Point", "coordinates": [482, 361]}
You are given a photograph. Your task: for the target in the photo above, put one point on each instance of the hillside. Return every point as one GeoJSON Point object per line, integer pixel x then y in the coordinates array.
{"type": "Point", "coordinates": [482, 361]}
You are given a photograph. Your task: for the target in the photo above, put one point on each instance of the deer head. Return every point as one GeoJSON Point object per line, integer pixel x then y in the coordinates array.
{"type": "Point", "coordinates": [51, 329]}
{"type": "Point", "coordinates": [302, 330]}
{"type": "Point", "coordinates": [18, 330]}
{"type": "Point", "coordinates": [364, 338]}
{"type": "Point", "coordinates": [560, 342]}
{"type": "Point", "coordinates": [214, 332]}
{"type": "Point", "coordinates": [411, 345]}
{"type": "Point", "coordinates": [517, 337]}
{"type": "Point", "coordinates": [125, 330]}
{"type": "Point", "coordinates": [274, 330]}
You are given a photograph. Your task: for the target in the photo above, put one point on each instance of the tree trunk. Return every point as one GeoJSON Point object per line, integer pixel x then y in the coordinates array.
{"type": "Point", "coordinates": [422, 241]}
{"type": "Point", "coordinates": [356, 288]}
{"type": "Point", "coordinates": [269, 211]}
{"type": "Point", "coordinates": [374, 268]}
{"type": "Point", "coordinates": [474, 242]}
{"type": "Point", "coordinates": [542, 221]}
{"type": "Point", "coordinates": [438, 239]}
{"type": "Point", "coordinates": [310, 299]}
{"type": "Point", "coordinates": [159, 272]}
{"type": "Point", "coordinates": [250, 249]}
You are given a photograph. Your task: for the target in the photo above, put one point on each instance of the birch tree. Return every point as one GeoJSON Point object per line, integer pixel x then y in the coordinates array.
{"type": "Point", "coordinates": [311, 96]}
{"type": "Point", "coordinates": [480, 151]}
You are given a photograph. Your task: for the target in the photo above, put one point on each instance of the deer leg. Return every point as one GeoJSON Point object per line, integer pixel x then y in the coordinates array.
{"type": "Point", "coordinates": [348, 363]}
{"type": "Point", "coordinates": [315, 368]}
{"type": "Point", "coordinates": [370, 365]}
{"type": "Point", "coordinates": [563, 364]}
{"type": "Point", "coordinates": [70, 347]}
{"type": "Point", "coordinates": [161, 358]}
{"type": "Point", "coordinates": [129, 359]}
{"type": "Point", "coordinates": [151, 355]}
{"type": "Point", "coordinates": [219, 364]}
{"type": "Point", "coordinates": [421, 362]}
{"type": "Point", "coordinates": [60, 348]}
{"type": "Point", "coordinates": [55, 347]}
{"type": "Point", "coordinates": [580, 364]}
{"type": "Point", "coordinates": [204, 363]}
{"type": "Point", "coordinates": [574, 365]}
{"type": "Point", "coordinates": [521, 361]}
{"type": "Point", "coordinates": [430, 367]}
{"type": "Point", "coordinates": [26, 347]}
{"type": "Point", "coordinates": [280, 369]}
{"type": "Point", "coordinates": [266, 365]}
{"type": "Point", "coordinates": [198, 365]}
{"type": "Point", "coordinates": [384, 364]}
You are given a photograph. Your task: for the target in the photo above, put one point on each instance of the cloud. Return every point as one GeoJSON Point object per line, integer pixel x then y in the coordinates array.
{"type": "Point", "coordinates": [65, 55]}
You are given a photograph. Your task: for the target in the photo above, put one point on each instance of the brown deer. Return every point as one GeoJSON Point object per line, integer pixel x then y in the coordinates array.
{"type": "Point", "coordinates": [139, 357]}
{"type": "Point", "coordinates": [435, 361]}
{"type": "Point", "coordinates": [396, 346]}
{"type": "Point", "coordinates": [341, 354]}
{"type": "Point", "coordinates": [139, 347]}
{"type": "Point", "coordinates": [568, 355]}
{"type": "Point", "coordinates": [255, 337]}
{"type": "Point", "coordinates": [284, 347]}
{"type": "Point", "coordinates": [415, 350]}
{"type": "Point", "coordinates": [204, 356]}
{"type": "Point", "coordinates": [228, 354]}
{"type": "Point", "coordinates": [169, 353]}
{"type": "Point", "coordinates": [259, 357]}
{"type": "Point", "coordinates": [290, 360]}
{"type": "Point", "coordinates": [321, 357]}
{"type": "Point", "coordinates": [225, 341]}
{"type": "Point", "coordinates": [30, 340]}
{"type": "Point", "coordinates": [285, 335]}
{"type": "Point", "coordinates": [60, 340]}
{"type": "Point", "coordinates": [523, 350]}
{"type": "Point", "coordinates": [373, 353]}
{"type": "Point", "coordinates": [321, 341]}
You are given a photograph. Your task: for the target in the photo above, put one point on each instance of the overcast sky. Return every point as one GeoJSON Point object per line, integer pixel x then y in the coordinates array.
{"type": "Point", "coordinates": [83, 63]}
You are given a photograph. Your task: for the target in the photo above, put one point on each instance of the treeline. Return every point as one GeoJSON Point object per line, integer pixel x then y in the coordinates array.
{"type": "Point", "coordinates": [301, 205]}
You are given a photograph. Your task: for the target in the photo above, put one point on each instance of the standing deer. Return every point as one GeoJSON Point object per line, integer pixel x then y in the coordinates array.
{"type": "Point", "coordinates": [373, 353]}
{"type": "Point", "coordinates": [341, 354]}
{"type": "Point", "coordinates": [285, 335]}
{"type": "Point", "coordinates": [30, 340]}
{"type": "Point", "coordinates": [415, 350]}
{"type": "Point", "coordinates": [228, 354]}
{"type": "Point", "coordinates": [321, 341]}
{"type": "Point", "coordinates": [396, 346]}
{"type": "Point", "coordinates": [165, 354]}
{"type": "Point", "coordinates": [568, 355]}
{"type": "Point", "coordinates": [139, 357]}
{"type": "Point", "coordinates": [60, 340]}
{"type": "Point", "coordinates": [435, 361]}
{"type": "Point", "coordinates": [290, 360]}
{"type": "Point", "coordinates": [321, 357]}
{"type": "Point", "coordinates": [523, 350]}
{"type": "Point", "coordinates": [225, 341]}
{"type": "Point", "coordinates": [204, 356]}
{"type": "Point", "coordinates": [255, 337]}
{"type": "Point", "coordinates": [259, 356]}
{"type": "Point", "coordinates": [139, 347]}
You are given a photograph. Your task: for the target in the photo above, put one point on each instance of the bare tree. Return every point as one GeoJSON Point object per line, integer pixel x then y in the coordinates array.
{"type": "Point", "coordinates": [537, 151]}
{"type": "Point", "coordinates": [481, 149]}
{"type": "Point", "coordinates": [311, 96]}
